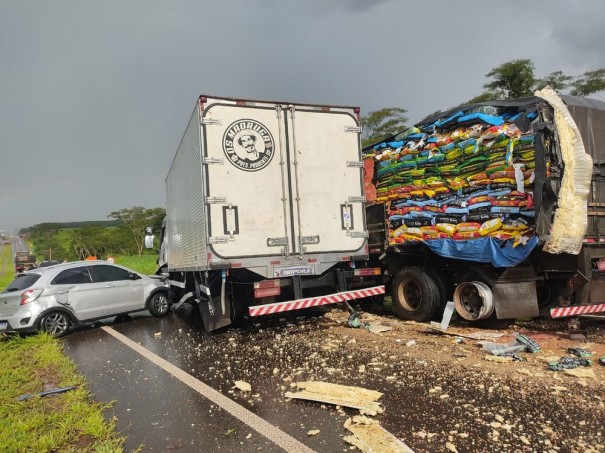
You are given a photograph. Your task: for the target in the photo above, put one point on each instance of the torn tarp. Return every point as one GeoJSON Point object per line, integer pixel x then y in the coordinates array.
{"type": "Point", "coordinates": [484, 250]}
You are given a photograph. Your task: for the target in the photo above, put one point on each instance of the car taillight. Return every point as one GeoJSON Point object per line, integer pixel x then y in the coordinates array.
{"type": "Point", "coordinates": [30, 295]}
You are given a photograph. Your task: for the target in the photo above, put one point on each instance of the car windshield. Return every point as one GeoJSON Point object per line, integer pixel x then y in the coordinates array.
{"type": "Point", "coordinates": [21, 282]}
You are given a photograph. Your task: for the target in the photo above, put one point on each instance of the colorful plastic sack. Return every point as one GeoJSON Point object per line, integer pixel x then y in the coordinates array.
{"type": "Point", "coordinates": [490, 226]}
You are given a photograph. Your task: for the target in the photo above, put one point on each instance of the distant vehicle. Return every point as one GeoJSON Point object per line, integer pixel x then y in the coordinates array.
{"type": "Point", "coordinates": [47, 263]}
{"type": "Point", "coordinates": [24, 261]}
{"type": "Point", "coordinates": [51, 299]}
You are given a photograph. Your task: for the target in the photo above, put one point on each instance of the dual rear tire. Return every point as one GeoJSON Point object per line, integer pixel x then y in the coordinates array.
{"type": "Point", "coordinates": [416, 294]}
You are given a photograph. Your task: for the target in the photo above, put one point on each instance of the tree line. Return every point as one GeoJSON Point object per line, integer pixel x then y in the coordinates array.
{"type": "Point", "coordinates": [513, 79]}
{"type": "Point", "coordinates": [124, 235]}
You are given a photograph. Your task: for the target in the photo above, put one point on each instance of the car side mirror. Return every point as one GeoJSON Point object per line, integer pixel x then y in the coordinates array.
{"type": "Point", "coordinates": [133, 276]}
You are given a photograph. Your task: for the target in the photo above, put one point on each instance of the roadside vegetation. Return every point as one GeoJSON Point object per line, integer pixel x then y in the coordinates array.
{"type": "Point", "coordinates": [7, 272]}
{"type": "Point", "coordinates": [68, 422]}
{"type": "Point", "coordinates": [73, 241]}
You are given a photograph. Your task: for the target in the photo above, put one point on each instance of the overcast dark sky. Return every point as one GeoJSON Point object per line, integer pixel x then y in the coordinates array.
{"type": "Point", "coordinates": [95, 95]}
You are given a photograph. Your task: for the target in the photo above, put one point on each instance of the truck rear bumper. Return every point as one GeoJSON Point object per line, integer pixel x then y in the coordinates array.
{"type": "Point", "coordinates": [297, 304]}
{"type": "Point", "coordinates": [561, 312]}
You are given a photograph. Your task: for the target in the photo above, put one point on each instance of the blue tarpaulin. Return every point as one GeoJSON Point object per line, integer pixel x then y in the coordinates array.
{"type": "Point", "coordinates": [484, 250]}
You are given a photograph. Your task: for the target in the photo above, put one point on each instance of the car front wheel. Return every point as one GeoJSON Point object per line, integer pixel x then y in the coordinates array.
{"type": "Point", "coordinates": [55, 323]}
{"type": "Point", "coordinates": [159, 305]}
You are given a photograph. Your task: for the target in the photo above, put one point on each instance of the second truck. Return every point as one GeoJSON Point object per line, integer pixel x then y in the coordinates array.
{"type": "Point", "coordinates": [496, 206]}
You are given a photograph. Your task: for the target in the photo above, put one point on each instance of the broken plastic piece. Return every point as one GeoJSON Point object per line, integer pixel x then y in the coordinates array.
{"type": "Point", "coordinates": [567, 363]}
{"type": "Point", "coordinates": [503, 349]}
{"type": "Point", "coordinates": [529, 344]}
{"type": "Point", "coordinates": [580, 352]}
{"type": "Point", "coordinates": [356, 321]}
{"type": "Point", "coordinates": [48, 392]}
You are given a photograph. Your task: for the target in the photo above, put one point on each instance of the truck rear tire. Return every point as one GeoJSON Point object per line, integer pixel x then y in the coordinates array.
{"type": "Point", "coordinates": [415, 295]}
{"type": "Point", "coordinates": [445, 287]}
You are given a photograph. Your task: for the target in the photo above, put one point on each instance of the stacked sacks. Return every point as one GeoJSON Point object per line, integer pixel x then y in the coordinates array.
{"type": "Point", "coordinates": [471, 177]}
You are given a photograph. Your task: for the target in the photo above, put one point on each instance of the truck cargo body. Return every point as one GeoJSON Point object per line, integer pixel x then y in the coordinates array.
{"type": "Point", "coordinates": [559, 258]}
{"type": "Point", "coordinates": [264, 199]}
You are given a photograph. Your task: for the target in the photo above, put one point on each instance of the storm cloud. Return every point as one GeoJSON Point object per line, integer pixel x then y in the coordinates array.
{"type": "Point", "coordinates": [95, 95]}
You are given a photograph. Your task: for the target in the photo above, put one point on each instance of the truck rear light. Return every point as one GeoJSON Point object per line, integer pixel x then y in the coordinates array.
{"type": "Point", "coordinates": [366, 271]}
{"type": "Point", "coordinates": [266, 288]}
{"type": "Point", "coordinates": [345, 258]}
{"type": "Point", "coordinates": [30, 295]}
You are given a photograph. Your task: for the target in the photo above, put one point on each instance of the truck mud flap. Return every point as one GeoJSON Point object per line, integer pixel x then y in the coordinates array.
{"type": "Point", "coordinates": [215, 311]}
{"type": "Point", "coordinates": [515, 300]}
{"type": "Point", "coordinates": [213, 315]}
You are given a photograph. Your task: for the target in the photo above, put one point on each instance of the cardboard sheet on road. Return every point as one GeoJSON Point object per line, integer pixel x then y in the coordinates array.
{"type": "Point", "coordinates": [340, 395]}
{"type": "Point", "coordinates": [369, 436]}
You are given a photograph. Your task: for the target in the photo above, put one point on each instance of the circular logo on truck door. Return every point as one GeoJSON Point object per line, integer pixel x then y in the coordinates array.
{"type": "Point", "coordinates": [248, 145]}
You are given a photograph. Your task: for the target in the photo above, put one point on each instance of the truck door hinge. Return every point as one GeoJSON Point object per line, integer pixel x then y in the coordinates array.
{"type": "Point", "coordinates": [277, 242]}
{"type": "Point", "coordinates": [217, 240]}
{"type": "Point", "coordinates": [212, 160]}
{"type": "Point", "coordinates": [355, 129]}
{"type": "Point", "coordinates": [212, 121]}
{"type": "Point", "coordinates": [354, 164]}
{"type": "Point", "coordinates": [360, 199]}
{"type": "Point", "coordinates": [215, 200]}
{"type": "Point", "coordinates": [309, 239]}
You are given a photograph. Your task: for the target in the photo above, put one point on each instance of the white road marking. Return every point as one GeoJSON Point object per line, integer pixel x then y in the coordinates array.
{"type": "Point", "coordinates": [255, 422]}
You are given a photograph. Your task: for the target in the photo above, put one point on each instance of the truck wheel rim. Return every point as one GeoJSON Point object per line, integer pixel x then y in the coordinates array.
{"type": "Point", "coordinates": [410, 295]}
{"type": "Point", "coordinates": [473, 300]}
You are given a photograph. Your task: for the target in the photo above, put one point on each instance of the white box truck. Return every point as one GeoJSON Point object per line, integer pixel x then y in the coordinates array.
{"type": "Point", "coordinates": [265, 210]}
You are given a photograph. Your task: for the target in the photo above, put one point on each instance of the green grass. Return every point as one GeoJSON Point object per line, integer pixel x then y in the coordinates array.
{"type": "Point", "coordinates": [145, 264]}
{"type": "Point", "coordinates": [7, 269]}
{"type": "Point", "coordinates": [66, 422]}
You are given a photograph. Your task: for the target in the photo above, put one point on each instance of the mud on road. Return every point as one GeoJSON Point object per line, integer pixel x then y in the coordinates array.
{"type": "Point", "coordinates": [441, 393]}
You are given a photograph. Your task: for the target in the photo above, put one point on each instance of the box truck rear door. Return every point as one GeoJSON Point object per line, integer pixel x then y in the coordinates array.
{"type": "Point", "coordinates": [247, 200]}
{"type": "Point", "coordinates": [327, 181]}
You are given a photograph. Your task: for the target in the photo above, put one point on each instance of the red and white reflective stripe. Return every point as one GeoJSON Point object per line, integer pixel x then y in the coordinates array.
{"type": "Point", "coordinates": [560, 312]}
{"type": "Point", "coordinates": [267, 309]}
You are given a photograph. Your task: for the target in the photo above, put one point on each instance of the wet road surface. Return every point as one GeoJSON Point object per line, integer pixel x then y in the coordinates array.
{"type": "Point", "coordinates": [437, 396]}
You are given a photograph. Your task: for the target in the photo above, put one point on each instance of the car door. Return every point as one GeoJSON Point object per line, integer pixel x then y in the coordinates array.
{"type": "Point", "coordinates": [127, 294]}
{"type": "Point", "coordinates": [74, 289]}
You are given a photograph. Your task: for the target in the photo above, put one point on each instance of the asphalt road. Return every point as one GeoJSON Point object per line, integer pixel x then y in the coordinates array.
{"type": "Point", "coordinates": [168, 381]}
{"type": "Point", "coordinates": [156, 410]}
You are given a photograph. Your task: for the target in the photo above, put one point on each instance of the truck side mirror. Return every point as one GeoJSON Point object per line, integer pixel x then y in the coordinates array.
{"type": "Point", "coordinates": [149, 237]}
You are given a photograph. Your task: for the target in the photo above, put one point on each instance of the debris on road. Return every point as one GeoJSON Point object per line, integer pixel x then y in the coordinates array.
{"type": "Point", "coordinates": [568, 363]}
{"type": "Point", "coordinates": [580, 352]}
{"type": "Point", "coordinates": [530, 345]}
{"type": "Point", "coordinates": [369, 436]}
{"type": "Point", "coordinates": [48, 392]}
{"type": "Point", "coordinates": [340, 395]}
{"type": "Point", "coordinates": [581, 373]}
{"type": "Point", "coordinates": [243, 386]}
{"type": "Point", "coordinates": [378, 328]}
{"type": "Point", "coordinates": [313, 432]}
